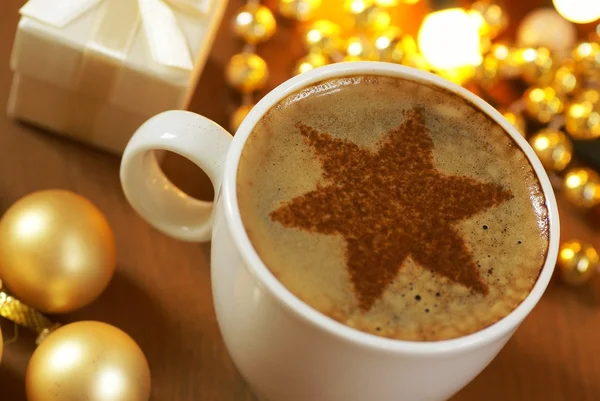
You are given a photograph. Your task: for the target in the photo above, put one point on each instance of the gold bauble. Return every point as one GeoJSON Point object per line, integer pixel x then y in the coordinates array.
{"type": "Point", "coordinates": [57, 251]}
{"type": "Point", "coordinates": [538, 67]}
{"type": "Point", "coordinates": [577, 262]}
{"type": "Point", "coordinates": [487, 73]}
{"type": "Point", "coordinates": [367, 15]}
{"type": "Point", "coordinates": [360, 48]}
{"type": "Point", "coordinates": [238, 116]}
{"type": "Point", "coordinates": [582, 187]}
{"type": "Point", "coordinates": [507, 58]}
{"type": "Point", "coordinates": [517, 121]}
{"type": "Point", "coordinates": [493, 18]}
{"type": "Point", "coordinates": [254, 23]}
{"type": "Point", "coordinates": [542, 103]}
{"type": "Point", "coordinates": [310, 62]}
{"type": "Point", "coordinates": [323, 36]}
{"type": "Point", "coordinates": [89, 361]}
{"type": "Point", "coordinates": [565, 80]}
{"type": "Point", "coordinates": [553, 148]}
{"type": "Point", "coordinates": [247, 72]}
{"type": "Point", "coordinates": [587, 59]}
{"type": "Point", "coordinates": [389, 45]}
{"type": "Point", "coordinates": [301, 10]}
{"type": "Point", "coordinates": [582, 118]}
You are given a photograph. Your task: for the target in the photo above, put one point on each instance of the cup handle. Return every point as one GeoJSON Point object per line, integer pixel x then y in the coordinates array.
{"type": "Point", "coordinates": [150, 192]}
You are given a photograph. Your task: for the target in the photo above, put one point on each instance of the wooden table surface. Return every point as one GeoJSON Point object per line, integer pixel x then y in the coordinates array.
{"type": "Point", "coordinates": [161, 294]}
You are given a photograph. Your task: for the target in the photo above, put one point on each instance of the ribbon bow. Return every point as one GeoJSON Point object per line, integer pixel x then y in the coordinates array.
{"type": "Point", "coordinates": [117, 23]}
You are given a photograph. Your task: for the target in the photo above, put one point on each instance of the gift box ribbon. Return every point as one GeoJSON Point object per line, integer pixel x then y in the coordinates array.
{"type": "Point", "coordinates": [115, 26]}
{"type": "Point", "coordinates": [118, 21]}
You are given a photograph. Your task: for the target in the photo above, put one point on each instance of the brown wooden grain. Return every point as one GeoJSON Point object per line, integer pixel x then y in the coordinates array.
{"type": "Point", "coordinates": [161, 294]}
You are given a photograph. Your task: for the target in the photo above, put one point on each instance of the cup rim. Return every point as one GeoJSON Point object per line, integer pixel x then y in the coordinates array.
{"type": "Point", "coordinates": [286, 298]}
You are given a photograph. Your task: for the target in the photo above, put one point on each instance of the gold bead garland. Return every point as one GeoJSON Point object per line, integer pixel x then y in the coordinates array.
{"type": "Point", "coordinates": [581, 187]}
{"type": "Point", "coordinates": [563, 77]}
{"type": "Point", "coordinates": [553, 148]}
{"type": "Point", "coordinates": [577, 262]}
{"type": "Point", "coordinates": [247, 72]}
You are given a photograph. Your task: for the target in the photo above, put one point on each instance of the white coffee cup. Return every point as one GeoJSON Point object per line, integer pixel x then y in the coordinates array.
{"type": "Point", "coordinates": [286, 350]}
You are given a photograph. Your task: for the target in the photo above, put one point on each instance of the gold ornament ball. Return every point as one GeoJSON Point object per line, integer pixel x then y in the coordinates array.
{"type": "Point", "coordinates": [577, 262]}
{"type": "Point", "coordinates": [538, 67]}
{"type": "Point", "coordinates": [310, 62]}
{"type": "Point", "coordinates": [238, 116]}
{"type": "Point", "coordinates": [360, 48]}
{"type": "Point", "coordinates": [582, 187]}
{"type": "Point", "coordinates": [389, 45]}
{"type": "Point", "coordinates": [57, 251]}
{"type": "Point", "coordinates": [487, 73]}
{"type": "Point", "coordinates": [582, 118]}
{"type": "Point", "coordinates": [367, 15]}
{"type": "Point", "coordinates": [565, 81]}
{"type": "Point", "coordinates": [507, 58]}
{"type": "Point", "coordinates": [254, 23]}
{"type": "Point", "coordinates": [301, 10]}
{"type": "Point", "coordinates": [542, 103]}
{"type": "Point", "coordinates": [553, 148]}
{"type": "Point", "coordinates": [587, 59]}
{"type": "Point", "coordinates": [493, 18]}
{"type": "Point", "coordinates": [517, 121]}
{"type": "Point", "coordinates": [247, 72]}
{"type": "Point", "coordinates": [88, 361]}
{"type": "Point", "coordinates": [323, 36]}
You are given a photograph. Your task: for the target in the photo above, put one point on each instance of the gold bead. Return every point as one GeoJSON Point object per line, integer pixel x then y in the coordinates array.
{"type": "Point", "coordinates": [323, 36]}
{"type": "Point", "coordinates": [254, 23]}
{"type": "Point", "coordinates": [553, 148]}
{"type": "Point", "coordinates": [565, 81]}
{"type": "Point", "coordinates": [577, 262]}
{"type": "Point", "coordinates": [57, 251]}
{"type": "Point", "coordinates": [582, 187]}
{"type": "Point", "coordinates": [587, 59]}
{"type": "Point", "coordinates": [310, 62]}
{"type": "Point", "coordinates": [389, 45]}
{"type": "Point", "coordinates": [517, 121]}
{"type": "Point", "coordinates": [360, 48]}
{"type": "Point", "coordinates": [542, 103]}
{"type": "Point", "coordinates": [367, 15]}
{"type": "Point", "coordinates": [88, 361]}
{"type": "Point", "coordinates": [582, 118]}
{"type": "Point", "coordinates": [507, 58]}
{"type": "Point", "coordinates": [238, 116]}
{"type": "Point", "coordinates": [538, 66]}
{"type": "Point", "coordinates": [301, 10]}
{"type": "Point", "coordinates": [493, 19]}
{"type": "Point", "coordinates": [247, 72]}
{"type": "Point", "coordinates": [487, 73]}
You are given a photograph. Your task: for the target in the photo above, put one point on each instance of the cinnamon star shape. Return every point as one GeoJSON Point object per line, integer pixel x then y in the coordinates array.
{"type": "Point", "coordinates": [389, 204]}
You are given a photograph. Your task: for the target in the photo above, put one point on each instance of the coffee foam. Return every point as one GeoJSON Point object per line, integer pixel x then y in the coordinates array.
{"type": "Point", "coordinates": [508, 242]}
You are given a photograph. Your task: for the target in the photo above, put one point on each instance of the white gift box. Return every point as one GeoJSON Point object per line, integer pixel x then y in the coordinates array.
{"type": "Point", "coordinates": [95, 70]}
